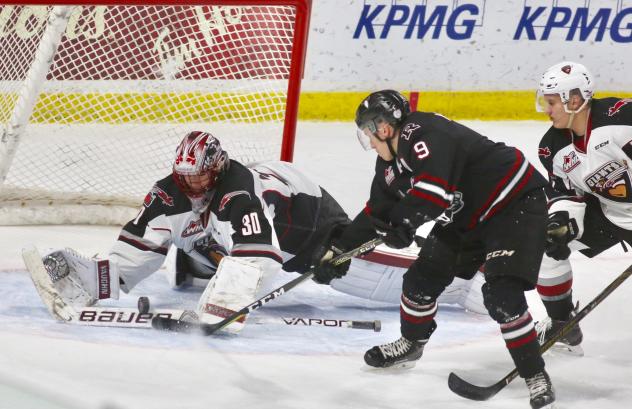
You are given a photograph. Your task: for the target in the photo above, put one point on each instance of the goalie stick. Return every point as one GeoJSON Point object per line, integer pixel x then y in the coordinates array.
{"type": "Point", "coordinates": [134, 318]}
{"type": "Point", "coordinates": [170, 324]}
{"type": "Point", "coordinates": [468, 390]}
{"type": "Point", "coordinates": [142, 316]}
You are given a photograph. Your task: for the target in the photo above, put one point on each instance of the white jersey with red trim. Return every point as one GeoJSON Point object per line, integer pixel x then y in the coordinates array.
{"type": "Point", "coordinates": [254, 212]}
{"type": "Point", "coordinates": [597, 163]}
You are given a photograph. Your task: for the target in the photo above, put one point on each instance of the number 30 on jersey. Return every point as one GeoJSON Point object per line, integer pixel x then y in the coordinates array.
{"type": "Point", "coordinates": [251, 224]}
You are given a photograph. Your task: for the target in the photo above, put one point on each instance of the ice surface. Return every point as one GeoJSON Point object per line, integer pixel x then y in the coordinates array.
{"type": "Point", "coordinates": [45, 364]}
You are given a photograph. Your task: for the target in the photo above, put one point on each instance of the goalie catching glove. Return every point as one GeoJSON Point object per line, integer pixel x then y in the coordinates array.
{"type": "Point", "coordinates": [79, 280]}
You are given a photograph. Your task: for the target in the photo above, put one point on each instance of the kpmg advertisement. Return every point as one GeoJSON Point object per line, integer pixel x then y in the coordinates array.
{"type": "Point", "coordinates": [465, 45]}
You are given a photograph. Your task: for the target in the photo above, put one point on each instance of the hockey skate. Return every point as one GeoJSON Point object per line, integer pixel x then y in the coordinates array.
{"type": "Point", "coordinates": [402, 353]}
{"type": "Point", "coordinates": [569, 344]}
{"type": "Point", "coordinates": [541, 392]}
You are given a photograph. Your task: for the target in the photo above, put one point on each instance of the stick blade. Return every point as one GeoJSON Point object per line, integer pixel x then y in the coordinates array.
{"type": "Point", "coordinates": [470, 391]}
{"type": "Point", "coordinates": [173, 325]}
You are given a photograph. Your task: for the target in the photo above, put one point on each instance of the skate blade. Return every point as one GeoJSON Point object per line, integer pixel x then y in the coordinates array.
{"type": "Point", "coordinates": [400, 367]}
{"type": "Point", "coordinates": [566, 349]}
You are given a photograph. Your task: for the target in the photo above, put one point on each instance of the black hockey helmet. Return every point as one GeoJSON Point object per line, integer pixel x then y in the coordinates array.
{"type": "Point", "coordinates": [382, 106]}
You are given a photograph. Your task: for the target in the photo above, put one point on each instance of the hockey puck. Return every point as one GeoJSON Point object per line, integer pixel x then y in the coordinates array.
{"type": "Point", "coordinates": [143, 305]}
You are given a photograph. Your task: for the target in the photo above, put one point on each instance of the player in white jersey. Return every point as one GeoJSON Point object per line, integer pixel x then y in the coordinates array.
{"type": "Point", "coordinates": [588, 153]}
{"type": "Point", "coordinates": [233, 226]}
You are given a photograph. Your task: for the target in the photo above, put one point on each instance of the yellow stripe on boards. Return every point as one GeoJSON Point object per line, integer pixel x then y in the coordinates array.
{"type": "Point", "coordinates": [117, 108]}
{"type": "Point", "coordinates": [458, 105]}
{"type": "Point", "coordinates": [183, 107]}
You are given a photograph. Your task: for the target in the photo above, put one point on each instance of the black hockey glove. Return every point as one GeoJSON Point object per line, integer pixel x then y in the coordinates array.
{"type": "Point", "coordinates": [397, 236]}
{"type": "Point", "coordinates": [560, 231]}
{"type": "Point", "coordinates": [325, 271]}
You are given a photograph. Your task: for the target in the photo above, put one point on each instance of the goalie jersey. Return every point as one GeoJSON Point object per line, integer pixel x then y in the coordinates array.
{"type": "Point", "coordinates": [597, 163]}
{"type": "Point", "coordinates": [268, 210]}
{"type": "Point", "coordinates": [448, 173]}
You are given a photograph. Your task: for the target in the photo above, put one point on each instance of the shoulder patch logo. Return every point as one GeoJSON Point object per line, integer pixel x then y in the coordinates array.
{"type": "Point", "coordinates": [613, 110]}
{"type": "Point", "coordinates": [409, 129]}
{"type": "Point", "coordinates": [571, 161]}
{"type": "Point", "coordinates": [228, 196]}
{"type": "Point", "coordinates": [161, 194]}
{"type": "Point", "coordinates": [544, 152]}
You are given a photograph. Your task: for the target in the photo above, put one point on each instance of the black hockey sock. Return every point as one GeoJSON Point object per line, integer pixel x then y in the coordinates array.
{"type": "Point", "coordinates": [560, 309]}
{"type": "Point", "coordinates": [527, 358]}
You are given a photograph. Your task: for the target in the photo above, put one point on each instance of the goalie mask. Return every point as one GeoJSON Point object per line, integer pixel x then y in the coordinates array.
{"type": "Point", "coordinates": [383, 106]}
{"type": "Point", "coordinates": [199, 165]}
{"type": "Point", "coordinates": [561, 79]}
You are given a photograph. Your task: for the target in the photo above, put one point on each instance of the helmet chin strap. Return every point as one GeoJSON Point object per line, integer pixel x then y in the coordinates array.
{"type": "Point", "coordinates": [390, 147]}
{"type": "Point", "coordinates": [570, 119]}
{"type": "Point", "coordinates": [572, 113]}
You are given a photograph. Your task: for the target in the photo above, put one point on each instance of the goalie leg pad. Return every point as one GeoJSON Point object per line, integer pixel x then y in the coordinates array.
{"type": "Point", "coordinates": [233, 286]}
{"type": "Point", "coordinates": [380, 282]}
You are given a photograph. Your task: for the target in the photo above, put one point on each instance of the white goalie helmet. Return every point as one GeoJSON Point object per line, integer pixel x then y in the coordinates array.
{"type": "Point", "coordinates": [561, 79]}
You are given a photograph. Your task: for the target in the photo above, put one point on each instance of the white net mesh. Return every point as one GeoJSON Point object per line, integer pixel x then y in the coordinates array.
{"type": "Point", "coordinates": [125, 85]}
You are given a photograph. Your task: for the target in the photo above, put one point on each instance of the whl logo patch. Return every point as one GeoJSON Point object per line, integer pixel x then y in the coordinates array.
{"type": "Point", "coordinates": [611, 181]}
{"type": "Point", "coordinates": [571, 161]}
{"type": "Point", "coordinates": [194, 227]}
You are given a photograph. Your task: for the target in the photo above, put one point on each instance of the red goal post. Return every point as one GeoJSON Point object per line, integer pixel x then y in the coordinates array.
{"type": "Point", "coordinates": [95, 95]}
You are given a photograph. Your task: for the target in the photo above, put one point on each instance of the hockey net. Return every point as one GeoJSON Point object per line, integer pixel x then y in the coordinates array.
{"type": "Point", "coordinates": [94, 98]}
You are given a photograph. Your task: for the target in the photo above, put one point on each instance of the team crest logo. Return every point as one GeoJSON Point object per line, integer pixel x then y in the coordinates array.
{"type": "Point", "coordinates": [571, 161]}
{"type": "Point", "coordinates": [228, 196]}
{"type": "Point", "coordinates": [389, 175]}
{"type": "Point", "coordinates": [194, 227]}
{"type": "Point", "coordinates": [613, 110]}
{"type": "Point", "coordinates": [161, 194]}
{"type": "Point", "coordinates": [611, 181]}
{"type": "Point", "coordinates": [544, 152]}
{"type": "Point", "coordinates": [408, 130]}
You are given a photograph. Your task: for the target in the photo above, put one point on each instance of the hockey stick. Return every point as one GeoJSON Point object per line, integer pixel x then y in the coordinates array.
{"type": "Point", "coordinates": [142, 316]}
{"type": "Point", "coordinates": [169, 324]}
{"type": "Point", "coordinates": [134, 318]}
{"type": "Point", "coordinates": [470, 391]}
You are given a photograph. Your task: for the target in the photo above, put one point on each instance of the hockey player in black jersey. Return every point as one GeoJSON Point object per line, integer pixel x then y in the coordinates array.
{"type": "Point", "coordinates": [489, 206]}
{"type": "Point", "coordinates": [587, 153]}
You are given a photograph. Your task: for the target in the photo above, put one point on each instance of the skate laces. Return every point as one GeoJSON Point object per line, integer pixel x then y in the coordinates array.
{"type": "Point", "coordinates": [396, 348]}
{"type": "Point", "coordinates": [537, 384]}
{"type": "Point", "coordinates": [542, 327]}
